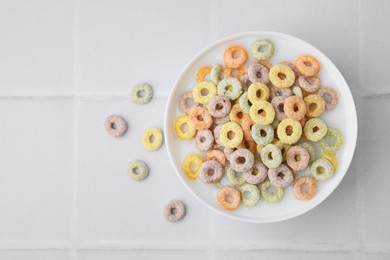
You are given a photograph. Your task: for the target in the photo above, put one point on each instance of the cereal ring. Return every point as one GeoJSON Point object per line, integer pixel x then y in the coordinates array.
{"type": "Point", "coordinates": [188, 165]}
{"type": "Point", "coordinates": [256, 175]}
{"type": "Point", "coordinates": [219, 106]}
{"type": "Point", "coordinates": [234, 177]}
{"type": "Point", "coordinates": [152, 139]}
{"type": "Point", "coordinates": [281, 76]}
{"type": "Point", "coordinates": [322, 169]}
{"type": "Point", "coordinates": [235, 57]}
{"type": "Point", "coordinates": [310, 149]}
{"type": "Point", "coordinates": [230, 87]}
{"type": "Point", "coordinates": [309, 84]}
{"type": "Point", "coordinates": [246, 125]}
{"type": "Point", "coordinates": [262, 49]}
{"type": "Point", "coordinates": [186, 102]}
{"type": "Point", "coordinates": [283, 148]}
{"type": "Point", "coordinates": [211, 171]}
{"type": "Point", "coordinates": [299, 191]}
{"type": "Point", "coordinates": [227, 152]}
{"type": "Point", "coordinates": [278, 104]}
{"type": "Point", "coordinates": [229, 198]}
{"type": "Point", "coordinates": [265, 63]}
{"type": "Point", "coordinates": [250, 195]}
{"type": "Point", "coordinates": [307, 65]}
{"type": "Point", "coordinates": [332, 159]}
{"type": "Point", "coordinates": [270, 193]}
{"type": "Point", "coordinates": [262, 134]}
{"type": "Point", "coordinates": [289, 131]}
{"type": "Point", "coordinates": [330, 97]}
{"type": "Point", "coordinates": [259, 147]}
{"type": "Point", "coordinates": [297, 91]}
{"type": "Point", "coordinates": [218, 155]}
{"type": "Point", "coordinates": [262, 112]}
{"type": "Point", "coordinates": [203, 92]}
{"type": "Point", "coordinates": [202, 72]}
{"type": "Point", "coordinates": [250, 145]}
{"type": "Point", "coordinates": [297, 158]}
{"type": "Point", "coordinates": [245, 82]}
{"type": "Point", "coordinates": [233, 73]}
{"type": "Point", "coordinates": [332, 141]}
{"type": "Point", "coordinates": [271, 156]}
{"type": "Point", "coordinates": [258, 73]}
{"type": "Point", "coordinates": [222, 120]}
{"type": "Point", "coordinates": [231, 135]}
{"type": "Point", "coordinates": [115, 125]}
{"type": "Point", "coordinates": [315, 129]}
{"type": "Point", "coordinates": [294, 108]}
{"type": "Point", "coordinates": [141, 93]}
{"type": "Point", "coordinates": [137, 170]}
{"type": "Point", "coordinates": [237, 115]}
{"type": "Point", "coordinates": [215, 74]}
{"type": "Point", "coordinates": [204, 140]}
{"type": "Point", "coordinates": [280, 176]}
{"type": "Point", "coordinates": [182, 129]}
{"type": "Point", "coordinates": [216, 132]}
{"type": "Point", "coordinates": [200, 118]}
{"type": "Point", "coordinates": [241, 160]}
{"type": "Point", "coordinates": [174, 211]}
{"type": "Point", "coordinates": [280, 92]}
{"type": "Point", "coordinates": [244, 102]}
{"type": "Point", "coordinates": [258, 91]}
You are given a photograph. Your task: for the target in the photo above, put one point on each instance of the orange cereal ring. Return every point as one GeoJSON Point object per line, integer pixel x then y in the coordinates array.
{"type": "Point", "coordinates": [235, 57]}
{"type": "Point", "coordinates": [229, 198]}
{"type": "Point", "coordinates": [307, 65]}
{"type": "Point", "coordinates": [218, 155]}
{"type": "Point", "coordinates": [202, 72]}
{"type": "Point", "coordinates": [200, 118]}
{"type": "Point", "coordinates": [246, 125]}
{"type": "Point", "coordinates": [250, 145]}
{"type": "Point", "coordinates": [315, 105]}
{"type": "Point", "coordinates": [294, 108]}
{"type": "Point", "coordinates": [233, 72]}
{"type": "Point", "coordinates": [298, 188]}
{"type": "Point", "coordinates": [237, 114]}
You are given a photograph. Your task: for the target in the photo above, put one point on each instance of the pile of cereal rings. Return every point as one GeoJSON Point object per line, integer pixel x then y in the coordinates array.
{"type": "Point", "coordinates": [258, 126]}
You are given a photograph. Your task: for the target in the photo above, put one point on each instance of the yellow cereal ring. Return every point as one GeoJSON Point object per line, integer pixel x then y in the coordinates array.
{"type": "Point", "coordinates": [152, 139]}
{"type": "Point", "coordinates": [315, 105]}
{"type": "Point", "coordinates": [332, 159]}
{"type": "Point", "coordinates": [202, 72]}
{"type": "Point", "coordinates": [282, 76]}
{"type": "Point", "coordinates": [289, 131]}
{"type": "Point", "coordinates": [204, 91]}
{"type": "Point", "coordinates": [258, 91]}
{"type": "Point", "coordinates": [315, 129]}
{"type": "Point", "coordinates": [189, 162]}
{"type": "Point", "coordinates": [179, 128]}
{"type": "Point", "coordinates": [259, 147]}
{"type": "Point", "coordinates": [262, 112]}
{"type": "Point", "coordinates": [231, 135]}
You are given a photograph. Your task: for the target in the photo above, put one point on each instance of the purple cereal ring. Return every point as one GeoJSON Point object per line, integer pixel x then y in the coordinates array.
{"type": "Point", "coordinates": [292, 66]}
{"type": "Point", "coordinates": [241, 160]}
{"type": "Point", "coordinates": [258, 73]}
{"type": "Point", "coordinates": [211, 171]}
{"type": "Point", "coordinates": [219, 106]}
{"type": "Point", "coordinates": [216, 132]}
{"type": "Point", "coordinates": [204, 140]}
{"type": "Point", "coordinates": [280, 92]}
{"type": "Point", "coordinates": [174, 211]}
{"type": "Point", "coordinates": [309, 84]}
{"type": "Point", "coordinates": [186, 102]}
{"type": "Point", "coordinates": [278, 104]}
{"type": "Point", "coordinates": [245, 82]}
{"type": "Point", "coordinates": [257, 174]}
{"type": "Point", "coordinates": [286, 177]}
{"type": "Point", "coordinates": [297, 158]}
{"type": "Point", "coordinates": [330, 97]}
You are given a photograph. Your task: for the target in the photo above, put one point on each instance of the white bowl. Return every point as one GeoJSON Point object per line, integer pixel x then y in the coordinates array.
{"type": "Point", "coordinates": [342, 117]}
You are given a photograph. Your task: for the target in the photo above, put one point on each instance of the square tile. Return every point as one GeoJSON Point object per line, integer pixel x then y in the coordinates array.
{"type": "Point", "coordinates": [142, 255]}
{"type": "Point", "coordinates": [34, 254]}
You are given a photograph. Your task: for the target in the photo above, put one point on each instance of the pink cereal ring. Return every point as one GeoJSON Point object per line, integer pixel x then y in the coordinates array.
{"type": "Point", "coordinates": [258, 73]}
{"type": "Point", "coordinates": [297, 158]}
{"type": "Point", "coordinates": [211, 171]}
{"type": "Point", "coordinates": [204, 140]}
{"type": "Point", "coordinates": [186, 102]}
{"type": "Point", "coordinates": [330, 97]}
{"type": "Point", "coordinates": [174, 211]}
{"type": "Point", "coordinates": [219, 106]}
{"type": "Point", "coordinates": [115, 125]}
{"type": "Point", "coordinates": [257, 174]}
{"type": "Point", "coordinates": [280, 176]}
{"type": "Point", "coordinates": [309, 84]}
{"type": "Point", "coordinates": [278, 103]}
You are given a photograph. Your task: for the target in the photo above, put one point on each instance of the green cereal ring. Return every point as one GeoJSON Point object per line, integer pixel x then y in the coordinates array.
{"type": "Point", "coordinates": [262, 134]}
{"type": "Point", "coordinates": [315, 129]}
{"type": "Point", "coordinates": [203, 92]}
{"type": "Point", "coordinates": [262, 112]}
{"type": "Point", "coordinates": [215, 74]}
{"type": "Point", "coordinates": [311, 149]}
{"type": "Point", "coordinates": [271, 156]}
{"type": "Point", "coordinates": [333, 140]}
{"type": "Point", "coordinates": [141, 93]}
{"type": "Point", "coordinates": [289, 131]}
{"type": "Point", "coordinates": [322, 169]}
{"type": "Point", "coordinates": [262, 49]}
{"type": "Point", "coordinates": [297, 91]}
{"type": "Point", "coordinates": [283, 148]}
{"type": "Point", "coordinates": [230, 87]}
{"type": "Point", "coordinates": [279, 81]}
{"type": "Point", "coordinates": [152, 139]}
{"type": "Point", "coordinates": [250, 195]}
{"type": "Point", "coordinates": [236, 180]}
{"type": "Point", "coordinates": [226, 139]}
{"type": "Point", "coordinates": [244, 103]}
{"type": "Point", "coordinates": [271, 196]}
{"type": "Point", "coordinates": [137, 170]}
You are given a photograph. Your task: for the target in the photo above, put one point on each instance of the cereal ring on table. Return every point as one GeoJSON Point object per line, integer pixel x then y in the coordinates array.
{"type": "Point", "coordinates": [257, 174]}
{"type": "Point", "coordinates": [246, 125]}
{"type": "Point", "coordinates": [258, 91]}
{"type": "Point", "coordinates": [231, 135]}
{"type": "Point", "coordinates": [332, 159]}
{"type": "Point", "coordinates": [250, 145]}
{"type": "Point", "coordinates": [283, 148]}
{"type": "Point", "coordinates": [229, 198]}
{"type": "Point", "coordinates": [278, 104]}
{"type": "Point", "coordinates": [244, 103]}
{"type": "Point", "coordinates": [281, 76]}
{"type": "Point", "coordinates": [174, 211]}
{"type": "Point", "coordinates": [297, 158]}
{"type": "Point", "coordinates": [211, 171]}
{"type": "Point", "coordinates": [115, 125]}
{"type": "Point", "coordinates": [270, 193]}
{"type": "Point", "coordinates": [202, 72]}
{"type": "Point", "coordinates": [250, 195]}
{"type": "Point", "coordinates": [186, 102]}
{"type": "Point", "coordinates": [180, 128]}
{"type": "Point", "coordinates": [297, 91]}
{"type": "Point", "coordinates": [200, 118]}
{"type": "Point", "coordinates": [233, 73]}
{"type": "Point", "coordinates": [237, 114]}
{"type": "Point", "coordinates": [262, 49]}
{"type": "Point", "coordinates": [332, 141]}
{"type": "Point", "coordinates": [289, 131]}
{"type": "Point", "coordinates": [241, 160]}
{"type": "Point", "coordinates": [265, 63]}
{"type": "Point", "coordinates": [262, 134]}
{"type": "Point", "coordinates": [309, 84]}
{"type": "Point", "coordinates": [271, 156]}
{"type": "Point", "coordinates": [262, 112]}
{"type": "Point", "coordinates": [230, 87]}
{"type": "Point", "coordinates": [204, 140]}
{"type": "Point", "coordinates": [280, 92]}
{"type": "Point", "coordinates": [258, 73]}
{"type": "Point", "coordinates": [137, 170]}
{"type": "Point", "coordinates": [204, 91]}
{"type": "Point", "coordinates": [280, 176]}
{"type": "Point", "coordinates": [152, 139]}
{"type": "Point", "coordinates": [235, 57]}
{"type": "Point", "coordinates": [307, 65]}
{"type": "Point", "coordinates": [217, 155]}
{"type": "Point", "coordinates": [141, 93]}
{"type": "Point", "coordinates": [219, 106]}
{"type": "Point", "coordinates": [315, 129]}
{"type": "Point", "coordinates": [245, 82]}
{"type": "Point", "coordinates": [191, 161]}
{"type": "Point", "coordinates": [216, 132]}
{"type": "Point", "coordinates": [322, 169]}
{"type": "Point", "coordinates": [301, 193]}
{"type": "Point", "coordinates": [294, 108]}
{"type": "Point", "coordinates": [215, 74]}
{"type": "Point", "coordinates": [234, 177]}
{"type": "Point", "coordinates": [330, 97]}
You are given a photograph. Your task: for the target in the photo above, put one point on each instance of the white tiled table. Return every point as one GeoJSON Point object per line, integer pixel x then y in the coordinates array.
{"type": "Point", "coordinates": [64, 190]}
